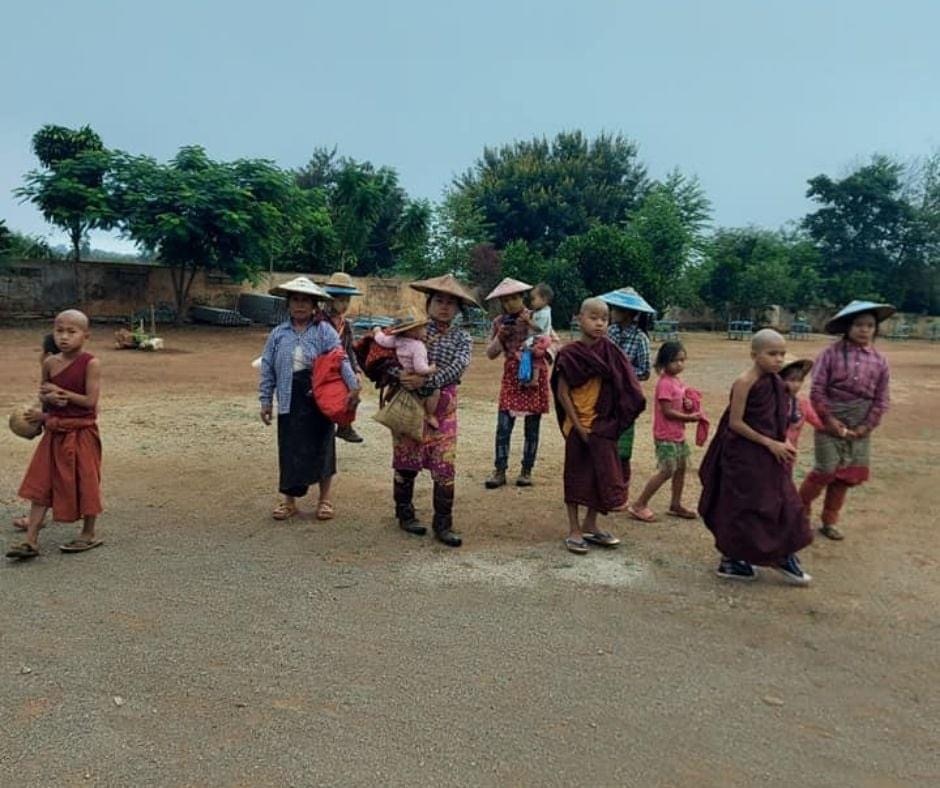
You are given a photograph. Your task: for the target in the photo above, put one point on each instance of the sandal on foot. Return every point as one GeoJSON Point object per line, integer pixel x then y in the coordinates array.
{"type": "Point", "coordinates": [644, 515]}
{"type": "Point", "coordinates": [20, 523]}
{"type": "Point", "coordinates": [832, 532]}
{"type": "Point", "coordinates": [80, 545]}
{"type": "Point", "coordinates": [325, 511]}
{"type": "Point", "coordinates": [284, 511]}
{"type": "Point", "coordinates": [681, 511]}
{"type": "Point", "coordinates": [601, 539]}
{"type": "Point", "coordinates": [577, 546]}
{"type": "Point", "coordinates": [23, 550]}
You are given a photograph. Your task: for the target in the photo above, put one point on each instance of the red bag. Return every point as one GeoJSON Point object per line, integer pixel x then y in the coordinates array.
{"type": "Point", "coordinates": [376, 361]}
{"type": "Point", "coordinates": [329, 389]}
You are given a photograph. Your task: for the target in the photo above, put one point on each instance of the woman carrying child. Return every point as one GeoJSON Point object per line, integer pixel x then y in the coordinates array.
{"type": "Point", "coordinates": [630, 313]}
{"type": "Point", "coordinates": [517, 396]}
{"type": "Point", "coordinates": [449, 350]}
{"type": "Point", "coordinates": [672, 411]}
{"type": "Point", "coordinates": [305, 437]}
{"type": "Point", "coordinates": [850, 393]}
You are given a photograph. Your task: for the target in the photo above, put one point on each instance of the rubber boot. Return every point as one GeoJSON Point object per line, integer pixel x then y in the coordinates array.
{"type": "Point", "coordinates": [497, 479]}
{"type": "Point", "coordinates": [403, 486]}
{"type": "Point", "coordinates": [443, 515]}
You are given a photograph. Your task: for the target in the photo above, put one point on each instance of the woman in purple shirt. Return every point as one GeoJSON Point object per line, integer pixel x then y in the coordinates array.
{"type": "Point", "coordinates": [850, 394]}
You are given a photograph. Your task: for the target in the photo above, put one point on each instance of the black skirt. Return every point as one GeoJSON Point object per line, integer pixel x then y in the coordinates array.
{"type": "Point", "coordinates": [306, 446]}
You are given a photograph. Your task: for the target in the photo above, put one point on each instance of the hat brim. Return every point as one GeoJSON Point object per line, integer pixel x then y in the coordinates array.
{"type": "Point", "coordinates": [805, 363]}
{"type": "Point", "coordinates": [633, 303]}
{"type": "Point", "coordinates": [464, 298]}
{"type": "Point", "coordinates": [393, 329]}
{"type": "Point", "coordinates": [285, 292]}
{"type": "Point", "coordinates": [840, 323]}
{"type": "Point", "coordinates": [339, 290]}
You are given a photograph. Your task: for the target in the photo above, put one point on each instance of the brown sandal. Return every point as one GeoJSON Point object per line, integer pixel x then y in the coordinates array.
{"type": "Point", "coordinates": [681, 511]}
{"type": "Point", "coordinates": [22, 550]}
{"type": "Point", "coordinates": [325, 511]}
{"type": "Point", "coordinates": [284, 511]}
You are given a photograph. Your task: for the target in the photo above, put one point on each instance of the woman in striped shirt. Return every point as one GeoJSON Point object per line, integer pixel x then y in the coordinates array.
{"type": "Point", "coordinates": [850, 395]}
{"type": "Point", "coordinates": [449, 349]}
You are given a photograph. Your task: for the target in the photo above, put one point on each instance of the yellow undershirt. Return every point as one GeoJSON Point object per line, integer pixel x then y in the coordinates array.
{"type": "Point", "coordinates": [584, 399]}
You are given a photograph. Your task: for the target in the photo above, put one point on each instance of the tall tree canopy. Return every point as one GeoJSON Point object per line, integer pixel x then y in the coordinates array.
{"type": "Point", "coordinates": [195, 213]}
{"type": "Point", "coordinates": [376, 226]}
{"type": "Point", "coordinates": [543, 192]}
{"type": "Point", "coordinates": [69, 189]}
{"type": "Point", "coordinates": [875, 241]}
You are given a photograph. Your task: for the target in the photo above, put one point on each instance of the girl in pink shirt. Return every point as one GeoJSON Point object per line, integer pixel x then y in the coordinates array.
{"type": "Point", "coordinates": [672, 410]}
{"type": "Point", "coordinates": [411, 350]}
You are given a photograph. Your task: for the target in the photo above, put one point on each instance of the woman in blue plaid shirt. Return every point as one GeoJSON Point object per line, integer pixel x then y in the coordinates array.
{"type": "Point", "coordinates": [305, 437]}
{"type": "Point", "coordinates": [627, 309]}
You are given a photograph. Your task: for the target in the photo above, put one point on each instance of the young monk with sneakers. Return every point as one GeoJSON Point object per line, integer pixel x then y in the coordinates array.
{"type": "Point", "coordinates": [749, 501]}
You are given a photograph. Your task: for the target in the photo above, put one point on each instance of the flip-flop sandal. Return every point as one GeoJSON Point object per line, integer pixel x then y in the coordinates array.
{"type": "Point", "coordinates": [644, 515]}
{"type": "Point", "coordinates": [685, 514]}
{"type": "Point", "coordinates": [325, 511]}
{"type": "Point", "coordinates": [577, 546]}
{"type": "Point", "coordinates": [23, 551]}
{"type": "Point", "coordinates": [20, 523]}
{"type": "Point", "coordinates": [601, 539]}
{"type": "Point", "coordinates": [283, 512]}
{"type": "Point", "coordinates": [80, 545]}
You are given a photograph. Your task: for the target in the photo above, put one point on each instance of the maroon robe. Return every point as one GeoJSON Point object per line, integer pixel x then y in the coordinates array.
{"type": "Point", "coordinates": [749, 501]}
{"type": "Point", "coordinates": [65, 472]}
{"type": "Point", "coordinates": [593, 474]}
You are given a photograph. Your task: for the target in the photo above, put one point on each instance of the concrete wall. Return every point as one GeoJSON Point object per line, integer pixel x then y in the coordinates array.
{"type": "Point", "coordinates": [106, 290]}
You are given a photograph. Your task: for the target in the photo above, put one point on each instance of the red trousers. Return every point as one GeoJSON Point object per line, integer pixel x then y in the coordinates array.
{"type": "Point", "coordinates": [835, 490]}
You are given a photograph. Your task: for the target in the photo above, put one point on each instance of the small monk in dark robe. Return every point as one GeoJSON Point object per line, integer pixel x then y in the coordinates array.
{"type": "Point", "coordinates": [65, 472]}
{"type": "Point", "coordinates": [597, 397]}
{"type": "Point", "coordinates": [749, 501]}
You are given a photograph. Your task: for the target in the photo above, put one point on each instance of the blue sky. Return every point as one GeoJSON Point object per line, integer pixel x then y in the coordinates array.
{"type": "Point", "coordinates": [753, 97]}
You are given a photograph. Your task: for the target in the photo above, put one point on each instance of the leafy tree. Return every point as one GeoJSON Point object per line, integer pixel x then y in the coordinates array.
{"type": "Point", "coordinates": [691, 202]}
{"type": "Point", "coordinates": [865, 232]}
{"type": "Point", "coordinates": [747, 270]}
{"type": "Point", "coordinates": [485, 268]}
{"type": "Point", "coordinates": [376, 225]}
{"type": "Point", "coordinates": [197, 214]}
{"type": "Point", "coordinates": [17, 246]}
{"type": "Point", "coordinates": [543, 192]}
{"type": "Point", "coordinates": [69, 189]}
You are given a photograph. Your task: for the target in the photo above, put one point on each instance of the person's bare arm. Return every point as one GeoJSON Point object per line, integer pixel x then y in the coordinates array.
{"type": "Point", "coordinates": [783, 451]}
{"type": "Point", "coordinates": [49, 393]}
{"type": "Point", "coordinates": [677, 415]}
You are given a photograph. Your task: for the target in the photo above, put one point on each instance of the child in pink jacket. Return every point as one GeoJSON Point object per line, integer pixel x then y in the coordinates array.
{"type": "Point", "coordinates": [409, 342]}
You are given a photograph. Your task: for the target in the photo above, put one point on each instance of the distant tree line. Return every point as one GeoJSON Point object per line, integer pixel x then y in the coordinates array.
{"type": "Point", "coordinates": [581, 214]}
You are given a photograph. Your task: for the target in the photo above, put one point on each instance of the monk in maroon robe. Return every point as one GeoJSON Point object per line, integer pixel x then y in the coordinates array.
{"type": "Point", "coordinates": [65, 472]}
{"type": "Point", "coordinates": [749, 501]}
{"type": "Point", "coordinates": [597, 397]}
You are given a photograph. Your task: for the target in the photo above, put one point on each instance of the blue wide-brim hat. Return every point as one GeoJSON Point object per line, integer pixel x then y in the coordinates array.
{"type": "Point", "coordinates": [627, 298]}
{"type": "Point", "coordinates": [341, 284]}
{"type": "Point", "coordinates": [840, 322]}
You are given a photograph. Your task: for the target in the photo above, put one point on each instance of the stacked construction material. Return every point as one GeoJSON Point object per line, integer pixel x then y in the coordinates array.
{"type": "Point", "coordinates": [217, 317]}
{"type": "Point", "coordinates": [265, 309]}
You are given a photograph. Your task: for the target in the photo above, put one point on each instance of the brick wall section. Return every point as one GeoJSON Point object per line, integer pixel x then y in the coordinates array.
{"type": "Point", "coordinates": [40, 288]}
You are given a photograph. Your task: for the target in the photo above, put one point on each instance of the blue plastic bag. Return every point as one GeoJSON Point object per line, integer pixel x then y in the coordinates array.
{"type": "Point", "coordinates": [525, 367]}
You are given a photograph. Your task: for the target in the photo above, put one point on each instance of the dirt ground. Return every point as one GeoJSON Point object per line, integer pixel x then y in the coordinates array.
{"type": "Point", "coordinates": [205, 644]}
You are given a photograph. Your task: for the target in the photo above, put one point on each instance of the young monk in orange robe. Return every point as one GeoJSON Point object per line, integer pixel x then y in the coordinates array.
{"type": "Point", "coordinates": [65, 472]}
